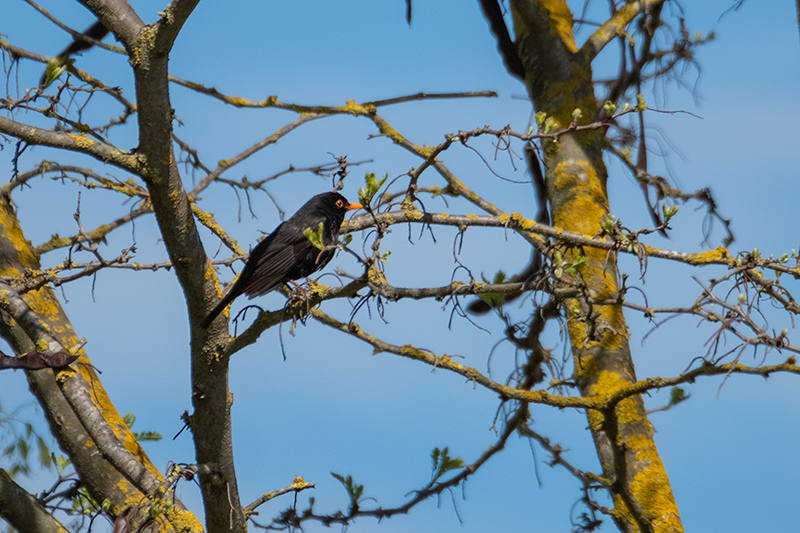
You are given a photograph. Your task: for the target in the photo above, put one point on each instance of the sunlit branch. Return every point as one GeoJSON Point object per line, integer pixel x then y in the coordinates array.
{"type": "Point", "coordinates": [273, 101]}
{"type": "Point", "coordinates": [23, 511]}
{"type": "Point", "coordinates": [225, 164]}
{"type": "Point", "coordinates": [119, 17]}
{"type": "Point", "coordinates": [615, 26]}
{"type": "Point", "coordinates": [94, 181]}
{"type": "Point", "coordinates": [534, 233]}
{"type": "Point", "coordinates": [455, 288]}
{"type": "Point", "coordinates": [447, 362]}
{"type": "Point", "coordinates": [95, 235]}
{"type": "Point", "coordinates": [431, 489]}
{"type": "Point", "coordinates": [50, 275]}
{"type": "Point", "coordinates": [295, 309]}
{"type": "Point", "coordinates": [706, 369]}
{"type": "Point", "coordinates": [75, 143]}
{"type": "Point", "coordinates": [297, 485]}
{"type": "Point", "coordinates": [82, 75]}
{"type": "Point", "coordinates": [208, 220]}
{"type": "Point", "coordinates": [77, 395]}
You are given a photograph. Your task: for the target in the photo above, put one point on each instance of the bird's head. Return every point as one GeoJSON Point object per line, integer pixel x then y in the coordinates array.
{"type": "Point", "coordinates": [330, 203]}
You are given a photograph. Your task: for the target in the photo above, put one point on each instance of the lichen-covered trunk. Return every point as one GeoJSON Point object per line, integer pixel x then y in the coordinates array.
{"type": "Point", "coordinates": [559, 81]}
{"type": "Point", "coordinates": [57, 391]}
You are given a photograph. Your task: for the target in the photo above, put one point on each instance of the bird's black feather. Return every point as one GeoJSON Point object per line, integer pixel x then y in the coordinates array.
{"type": "Point", "coordinates": [287, 254]}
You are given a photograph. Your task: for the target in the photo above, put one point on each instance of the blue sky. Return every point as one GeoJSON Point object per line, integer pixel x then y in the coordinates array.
{"type": "Point", "coordinates": [731, 453]}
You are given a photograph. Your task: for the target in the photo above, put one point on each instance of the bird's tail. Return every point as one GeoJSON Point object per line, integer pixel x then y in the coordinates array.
{"type": "Point", "coordinates": [226, 300]}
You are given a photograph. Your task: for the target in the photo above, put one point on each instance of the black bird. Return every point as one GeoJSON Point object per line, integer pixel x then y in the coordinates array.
{"type": "Point", "coordinates": [287, 254]}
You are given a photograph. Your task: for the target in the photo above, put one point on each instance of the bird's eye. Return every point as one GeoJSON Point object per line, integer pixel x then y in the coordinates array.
{"type": "Point", "coordinates": [339, 203]}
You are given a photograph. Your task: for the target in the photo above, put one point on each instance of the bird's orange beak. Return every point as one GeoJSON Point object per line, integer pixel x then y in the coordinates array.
{"type": "Point", "coordinates": [354, 206]}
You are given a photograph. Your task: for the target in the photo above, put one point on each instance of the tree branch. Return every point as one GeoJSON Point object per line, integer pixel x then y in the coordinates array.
{"type": "Point", "coordinates": [298, 485]}
{"type": "Point", "coordinates": [120, 18]}
{"type": "Point", "coordinates": [508, 51]}
{"type": "Point", "coordinates": [615, 26]}
{"type": "Point", "coordinates": [23, 512]}
{"type": "Point", "coordinates": [76, 143]}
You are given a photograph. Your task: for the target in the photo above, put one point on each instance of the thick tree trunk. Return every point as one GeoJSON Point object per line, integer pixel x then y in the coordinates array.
{"type": "Point", "coordinates": [212, 399]}
{"type": "Point", "coordinates": [559, 81]}
{"type": "Point", "coordinates": [81, 416]}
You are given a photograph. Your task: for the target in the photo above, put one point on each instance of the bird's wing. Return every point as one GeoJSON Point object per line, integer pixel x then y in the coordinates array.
{"type": "Point", "coordinates": [273, 259]}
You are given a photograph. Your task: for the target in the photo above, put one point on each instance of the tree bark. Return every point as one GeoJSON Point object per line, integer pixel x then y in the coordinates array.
{"type": "Point", "coordinates": [22, 511]}
{"type": "Point", "coordinates": [559, 82]}
{"type": "Point", "coordinates": [210, 423]}
{"type": "Point", "coordinates": [73, 399]}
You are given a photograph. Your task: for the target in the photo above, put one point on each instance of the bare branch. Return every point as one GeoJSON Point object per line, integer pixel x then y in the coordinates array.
{"type": "Point", "coordinates": [298, 485]}
{"type": "Point", "coordinates": [615, 26]}
{"type": "Point", "coordinates": [23, 511]}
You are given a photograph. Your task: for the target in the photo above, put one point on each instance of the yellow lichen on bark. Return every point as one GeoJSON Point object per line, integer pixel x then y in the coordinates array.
{"type": "Point", "coordinates": [560, 21]}
{"type": "Point", "coordinates": [43, 303]}
{"type": "Point", "coordinates": [606, 327]}
{"type": "Point", "coordinates": [105, 406]}
{"type": "Point", "coordinates": [13, 234]}
{"type": "Point", "coordinates": [585, 197]}
{"type": "Point", "coordinates": [237, 101]}
{"type": "Point", "coordinates": [718, 254]}
{"type": "Point", "coordinates": [375, 276]}
{"type": "Point", "coordinates": [650, 487]}
{"type": "Point", "coordinates": [82, 140]}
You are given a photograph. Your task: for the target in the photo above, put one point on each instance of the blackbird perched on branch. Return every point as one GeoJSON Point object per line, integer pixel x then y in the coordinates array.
{"type": "Point", "coordinates": [287, 253]}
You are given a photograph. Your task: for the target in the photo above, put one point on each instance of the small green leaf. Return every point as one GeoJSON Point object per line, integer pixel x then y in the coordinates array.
{"type": "Point", "coordinates": [677, 395]}
{"type": "Point", "coordinates": [55, 68]}
{"type": "Point", "coordinates": [366, 194]}
{"type": "Point", "coordinates": [578, 263]}
{"type": "Point", "coordinates": [669, 211]}
{"type": "Point", "coordinates": [22, 449]}
{"type": "Point", "coordinates": [62, 462]}
{"type": "Point", "coordinates": [315, 238]}
{"type": "Point", "coordinates": [146, 436]}
{"type": "Point", "coordinates": [384, 257]}
{"type": "Point", "coordinates": [541, 116]}
{"type": "Point", "coordinates": [609, 107]}
{"type": "Point", "coordinates": [494, 300]}
{"type": "Point", "coordinates": [354, 491]}
{"type": "Point", "coordinates": [129, 419]}
{"type": "Point", "coordinates": [45, 457]}
{"type": "Point", "coordinates": [577, 114]}
{"type": "Point", "coordinates": [640, 105]}
{"type": "Point", "coordinates": [607, 223]}
{"type": "Point", "coordinates": [443, 463]}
